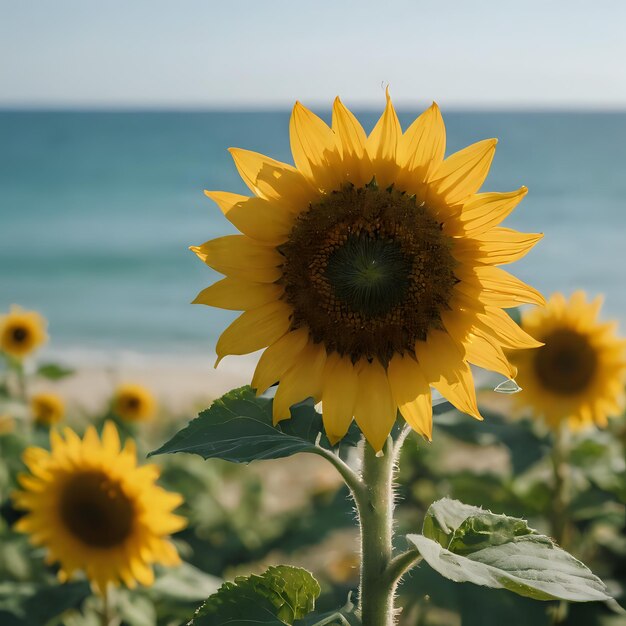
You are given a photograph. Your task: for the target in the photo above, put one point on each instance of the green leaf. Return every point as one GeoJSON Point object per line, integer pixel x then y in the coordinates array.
{"type": "Point", "coordinates": [238, 428]}
{"type": "Point", "coordinates": [468, 544]}
{"type": "Point", "coordinates": [277, 597]}
{"type": "Point", "coordinates": [51, 601]}
{"type": "Point", "coordinates": [53, 371]}
{"type": "Point", "coordinates": [345, 616]}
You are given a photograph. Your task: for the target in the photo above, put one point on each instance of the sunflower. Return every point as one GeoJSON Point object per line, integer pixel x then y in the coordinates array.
{"type": "Point", "coordinates": [95, 510]}
{"type": "Point", "coordinates": [47, 408]}
{"type": "Point", "coordinates": [578, 376]}
{"type": "Point", "coordinates": [369, 271]}
{"type": "Point", "coordinates": [134, 403]}
{"type": "Point", "coordinates": [21, 332]}
{"type": "Point", "coordinates": [7, 424]}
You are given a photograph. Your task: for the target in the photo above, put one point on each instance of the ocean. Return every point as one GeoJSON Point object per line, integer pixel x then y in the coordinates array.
{"type": "Point", "coordinates": [97, 210]}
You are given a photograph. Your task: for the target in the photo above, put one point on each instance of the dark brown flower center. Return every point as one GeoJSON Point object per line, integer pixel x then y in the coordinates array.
{"type": "Point", "coordinates": [133, 403]}
{"type": "Point", "coordinates": [96, 510]}
{"type": "Point", "coordinates": [567, 363]}
{"type": "Point", "coordinates": [19, 334]}
{"type": "Point", "coordinates": [45, 411]}
{"type": "Point", "coordinates": [368, 271]}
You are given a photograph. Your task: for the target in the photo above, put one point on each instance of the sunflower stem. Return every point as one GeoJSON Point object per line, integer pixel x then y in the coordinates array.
{"type": "Point", "coordinates": [106, 607]}
{"type": "Point", "coordinates": [560, 498]}
{"type": "Point", "coordinates": [376, 590]}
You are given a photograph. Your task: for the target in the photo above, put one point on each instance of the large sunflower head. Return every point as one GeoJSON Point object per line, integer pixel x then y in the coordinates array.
{"type": "Point", "coordinates": [95, 510]}
{"type": "Point", "coordinates": [134, 403]}
{"type": "Point", "coordinates": [21, 332]}
{"type": "Point", "coordinates": [578, 376]}
{"type": "Point", "coordinates": [47, 408]}
{"type": "Point", "coordinates": [369, 270]}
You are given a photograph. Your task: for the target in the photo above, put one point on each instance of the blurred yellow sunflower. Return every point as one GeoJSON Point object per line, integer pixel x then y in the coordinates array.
{"type": "Point", "coordinates": [21, 332]}
{"type": "Point", "coordinates": [7, 424]}
{"type": "Point", "coordinates": [47, 408]}
{"type": "Point", "coordinates": [134, 403]}
{"type": "Point", "coordinates": [95, 510]}
{"type": "Point", "coordinates": [369, 270]}
{"type": "Point", "coordinates": [578, 376]}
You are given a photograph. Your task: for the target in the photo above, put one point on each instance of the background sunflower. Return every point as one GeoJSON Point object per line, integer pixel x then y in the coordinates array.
{"type": "Point", "coordinates": [578, 376]}
{"type": "Point", "coordinates": [95, 510]}
{"type": "Point", "coordinates": [21, 332]}
{"type": "Point", "coordinates": [47, 408]}
{"type": "Point", "coordinates": [134, 403]}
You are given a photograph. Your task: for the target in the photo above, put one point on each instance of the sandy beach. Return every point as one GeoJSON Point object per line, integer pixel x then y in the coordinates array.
{"type": "Point", "coordinates": [179, 382]}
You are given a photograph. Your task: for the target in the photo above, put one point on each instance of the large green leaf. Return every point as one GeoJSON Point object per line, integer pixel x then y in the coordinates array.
{"type": "Point", "coordinates": [238, 428]}
{"type": "Point", "coordinates": [280, 596]}
{"type": "Point", "coordinates": [468, 544]}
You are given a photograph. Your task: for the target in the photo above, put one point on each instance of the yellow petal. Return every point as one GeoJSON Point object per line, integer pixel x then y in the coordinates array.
{"type": "Point", "coordinates": [351, 135]}
{"type": "Point", "coordinates": [110, 438]}
{"type": "Point", "coordinates": [463, 173]}
{"type": "Point", "coordinates": [278, 358]}
{"type": "Point", "coordinates": [486, 210]}
{"type": "Point", "coordinates": [254, 330]}
{"type": "Point", "coordinates": [441, 360]}
{"type": "Point", "coordinates": [382, 144]}
{"type": "Point", "coordinates": [497, 246]}
{"type": "Point", "coordinates": [241, 257]}
{"type": "Point", "coordinates": [483, 351]}
{"type": "Point", "coordinates": [279, 182]}
{"type": "Point", "coordinates": [498, 323]}
{"type": "Point", "coordinates": [340, 387]}
{"type": "Point", "coordinates": [238, 294]}
{"type": "Point", "coordinates": [411, 393]}
{"type": "Point", "coordinates": [255, 217]}
{"type": "Point", "coordinates": [422, 147]}
{"type": "Point", "coordinates": [501, 289]}
{"type": "Point", "coordinates": [302, 381]}
{"type": "Point", "coordinates": [375, 411]}
{"type": "Point", "coordinates": [314, 148]}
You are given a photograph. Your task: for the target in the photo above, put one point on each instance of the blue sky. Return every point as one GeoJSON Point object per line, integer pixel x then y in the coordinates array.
{"type": "Point", "coordinates": [268, 53]}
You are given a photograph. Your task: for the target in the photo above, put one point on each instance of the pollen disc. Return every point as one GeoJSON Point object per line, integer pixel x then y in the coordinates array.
{"type": "Point", "coordinates": [368, 271]}
{"type": "Point", "coordinates": [566, 363]}
{"type": "Point", "coordinates": [96, 510]}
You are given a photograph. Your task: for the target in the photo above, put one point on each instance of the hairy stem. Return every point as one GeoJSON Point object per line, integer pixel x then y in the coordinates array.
{"type": "Point", "coordinates": [376, 593]}
{"type": "Point", "coordinates": [400, 564]}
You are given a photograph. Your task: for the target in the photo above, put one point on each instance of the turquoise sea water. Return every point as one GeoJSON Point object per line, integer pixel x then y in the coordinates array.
{"type": "Point", "coordinates": [97, 211]}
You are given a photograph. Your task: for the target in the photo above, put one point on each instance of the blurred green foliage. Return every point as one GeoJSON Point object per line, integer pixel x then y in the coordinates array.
{"type": "Point", "coordinates": [243, 519]}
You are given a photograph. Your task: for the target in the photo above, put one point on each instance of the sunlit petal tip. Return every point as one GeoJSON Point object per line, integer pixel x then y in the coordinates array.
{"type": "Point", "coordinates": [197, 250]}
